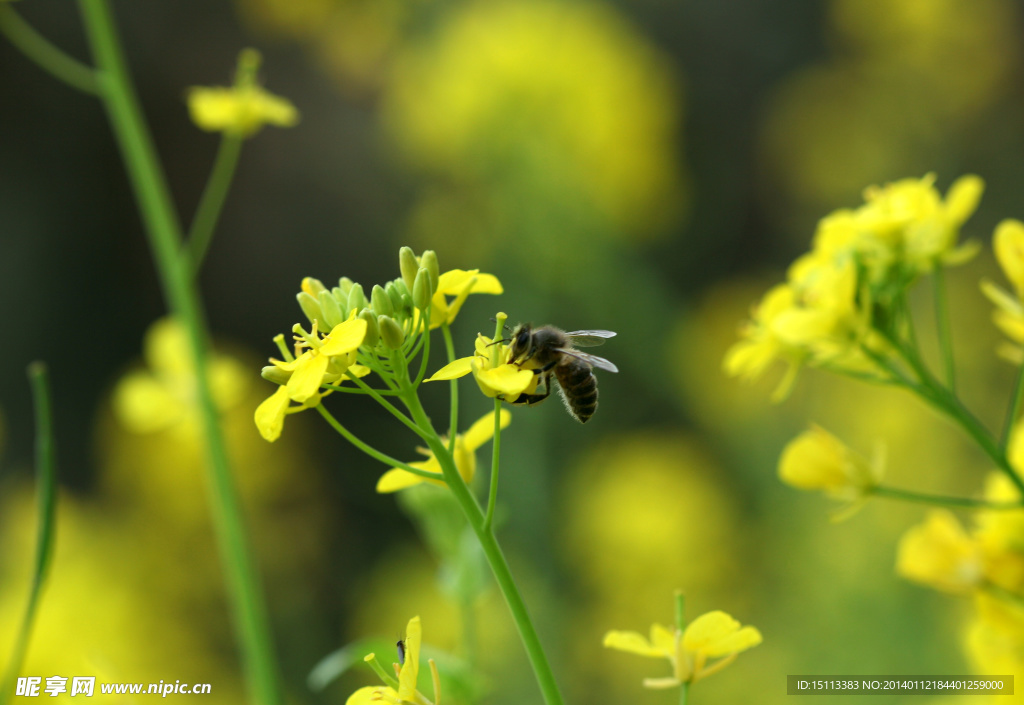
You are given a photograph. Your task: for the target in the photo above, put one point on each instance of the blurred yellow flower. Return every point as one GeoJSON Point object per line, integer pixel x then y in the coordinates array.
{"type": "Point", "coordinates": [492, 371]}
{"type": "Point", "coordinates": [817, 460]}
{"type": "Point", "coordinates": [995, 637]}
{"type": "Point", "coordinates": [486, 100]}
{"type": "Point", "coordinates": [163, 396]}
{"type": "Point", "coordinates": [939, 553]}
{"type": "Point", "coordinates": [1008, 244]}
{"type": "Point", "coordinates": [244, 108]}
{"type": "Point", "coordinates": [710, 636]}
{"type": "Point", "coordinates": [465, 456]}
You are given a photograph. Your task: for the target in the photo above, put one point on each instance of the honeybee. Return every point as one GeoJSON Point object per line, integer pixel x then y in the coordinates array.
{"type": "Point", "coordinates": [549, 351]}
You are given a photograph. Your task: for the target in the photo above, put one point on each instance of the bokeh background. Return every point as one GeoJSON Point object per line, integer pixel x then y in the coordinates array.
{"type": "Point", "coordinates": [645, 166]}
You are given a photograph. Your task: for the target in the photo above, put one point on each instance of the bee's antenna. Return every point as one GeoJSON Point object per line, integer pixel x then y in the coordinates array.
{"type": "Point", "coordinates": [504, 325]}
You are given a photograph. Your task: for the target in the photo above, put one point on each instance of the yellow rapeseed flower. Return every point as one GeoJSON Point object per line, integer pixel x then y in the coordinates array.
{"type": "Point", "coordinates": [940, 554]}
{"type": "Point", "coordinates": [715, 635]}
{"type": "Point", "coordinates": [465, 457]}
{"type": "Point", "coordinates": [242, 109]}
{"type": "Point", "coordinates": [491, 369]}
{"type": "Point", "coordinates": [817, 460]}
{"type": "Point", "coordinates": [1008, 244]}
{"type": "Point", "coordinates": [408, 674]}
{"type": "Point", "coordinates": [459, 283]}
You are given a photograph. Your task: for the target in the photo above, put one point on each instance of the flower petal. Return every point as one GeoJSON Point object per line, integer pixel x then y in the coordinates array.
{"type": "Point", "coordinates": [508, 380]}
{"type": "Point", "coordinates": [397, 479]}
{"type": "Point", "coordinates": [714, 634]}
{"type": "Point", "coordinates": [483, 430]}
{"type": "Point", "coordinates": [453, 370]}
{"type": "Point", "coordinates": [410, 670]}
{"type": "Point", "coordinates": [344, 338]}
{"type": "Point", "coordinates": [633, 642]}
{"type": "Point", "coordinates": [269, 415]}
{"type": "Point", "coordinates": [371, 695]}
{"type": "Point", "coordinates": [306, 379]}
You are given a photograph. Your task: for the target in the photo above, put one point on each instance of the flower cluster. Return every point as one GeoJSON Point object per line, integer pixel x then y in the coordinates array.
{"type": "Point", "coordinates": [691, 651]}
{"type": "Point", "coordinates": [403, 691]}
{"type": "Point", "coordinates": [842, 300]}
{"type": "Point", "coordinates": [352, 335]}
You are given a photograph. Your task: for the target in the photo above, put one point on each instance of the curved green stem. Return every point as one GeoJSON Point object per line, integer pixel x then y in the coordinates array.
{"type": "Point", "coordinates": [1013, 411]}
{"type": "Point", "coordinates": [942, 500]}
{"type": "Point", "coordinates": [46, 489]}
{"type": "Point", "coordinates": [164, 233]}
{"type": "Point", "coordinates": [371, 451]}
{"type": "Point", "coordinates": [943, 326]}
{"type": "Point", "coordinates": [212, 201]}
{"type": "Point", "coordinates": [492, 491]}
{"type": "Point", "coordinates": [47, 56]}
{"type": "Point", "coordinates": [387, 405]}
{"type": "Point", "coordinates": [493, 553]}
{"type": "Point", "coordinates": [453, 423]}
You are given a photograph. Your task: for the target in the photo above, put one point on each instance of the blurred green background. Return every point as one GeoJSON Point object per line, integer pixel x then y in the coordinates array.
{"type": "Point", "coordinates": [645, 166]}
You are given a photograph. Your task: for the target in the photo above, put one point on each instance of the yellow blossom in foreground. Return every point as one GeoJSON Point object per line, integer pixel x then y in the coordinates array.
{"type": "Point", "coordinates": [995, 637]}
{"type": "Point", "coordinates": [492, 371]}
{"type": "Point", "coordinates": [817, 460]}
{"type": "Point", "coordinates": [714, 635]}
{"type": "Point", "coordinates": [407, 676]}
{"type": "Point", "coordinates": [939, 553]}
{"type": "Point", "coordinates": [465, 457]}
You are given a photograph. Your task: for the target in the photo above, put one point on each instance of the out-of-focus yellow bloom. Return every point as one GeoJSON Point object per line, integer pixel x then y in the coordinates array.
{"type": "Point", "coordinates": [407, 675]}
{"type": "Point", "coordinates": [327, 360]}
{"type": "Point", "coordinates": [460, 284]}
{"type": "Point", "coordinates": [817, 460]}
{"type": "Point", "coordinates": [1008, 244]}
{"type": "Point", "coordinates": [939, 553]}
{"type": "Point", "coordinates": [995, 638]}
{"type": "Point", "coordinates": [163, 396]}
{"type": "Point", "coordinates": [593, 123]}
{"type": "Point", "coordinates": [1000, 533]}
{"type": "Point", "coordinates": [492, 371]}
{"type": "Point", "coordinates": [242, 109]}
{"type": "Point", "coordinates": [465, 456]}
{"type": "Point", "coordinates": [710, 636]}
{"type": "Point", "coordinates": [761, 344]}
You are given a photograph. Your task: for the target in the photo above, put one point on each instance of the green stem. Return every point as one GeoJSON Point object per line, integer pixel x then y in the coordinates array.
{"type": "Point", "coordinates": [164, 233]}
{"type": "Point", "coordinates": [492, 491]}
{"type": "Point", "coordinates": [387, 405]}
{"type": "Point", "coordinates": [942, 500]}
{"type": "Point", "coordinates": [1013, 411]}
{"type": "Point", "coordinates": [453, 423]}
{"type": "Point", "coordinates": [943, 326]}
{"type": "Point", "coordinates": [212, 201]}
{"type": "Point", "coordinates": [47, 56]}
{"type": "Point", "coordinates": [680, 598]}
{"type": "Point", "coordinates": [46, 488]}
{"type": "Point", "coordinates": [493, 553]}
{"type": "Point", "coordinates": [373, 452]}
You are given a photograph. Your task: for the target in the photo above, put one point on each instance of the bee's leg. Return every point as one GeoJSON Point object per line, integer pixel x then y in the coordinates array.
{"type": "Point", "coordinates": [542, 393]}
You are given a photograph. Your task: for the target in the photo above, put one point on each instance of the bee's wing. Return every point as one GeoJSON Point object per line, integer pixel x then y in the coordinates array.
{"type": "Point", "coordinates": [589, 338]}
{"type": "Point", "coordinates": [592, 360]}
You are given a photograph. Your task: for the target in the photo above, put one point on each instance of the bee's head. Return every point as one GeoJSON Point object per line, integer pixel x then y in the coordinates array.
{"type": "Point", "coordinates": [522, 338]}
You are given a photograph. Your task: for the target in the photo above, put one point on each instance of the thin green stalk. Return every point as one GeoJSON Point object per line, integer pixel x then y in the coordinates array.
{"type": "Point", "coordinates": [943, 326]}
{"type": "Point", "coordinates": [425, 358]}
{"type": "Point", "coordinates": [1013, 411]}
{"type": "Point", "coordinates": [493, 553]}
{"type": "Point", "coordinates": [492, 492]}
{"type": "Point", "coordinates": [164, 233]}
{"type": "Point", "coordinates": [212, 201]}
{"type": "Point", "coordinates": [46, 55]}
{"type": "Point", "coordinates": [453, 422]}
{"type": "Point", "coordinates": [387, 405]}
{"type": "Point", "coordinates": [942, 500]}
{"type": "Point", "coordinates": [46, 489]}
{"type": "Point", "coordinates": [371, 451]}
{"type": "Point", "coordinates": [684, 694]}
{"type": "Point", "coordinates": [353, 390]}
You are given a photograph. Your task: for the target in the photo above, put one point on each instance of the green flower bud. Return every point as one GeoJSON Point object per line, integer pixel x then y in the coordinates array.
{"type": "Point", "coordinates": [356, 298]}
{"type": "Point", "coordinates": [275, 374]}
{"type": "Point", "coordinates": [313, 285]}
{"type": "Point", "coordinates": [372, 330]}
{"type": "Point", "coordinates": [380, 301]}
{"type": "Point", "coordinates": [332, 310]}
{"type": "Point", "coordinates": [421, 289]}
{"type": "Point", "coordinates": [390, 332]}
{"type": "Point", "coordinates": [429, 260]}
{"type": "Point", "coordinates": [310, 307]}
{"type": "Point", "coordinates": [408, 264]}
{"type": "Point", "coordinates": [345, 284]}
{"type": "Point", "coordinates": [395, 294]}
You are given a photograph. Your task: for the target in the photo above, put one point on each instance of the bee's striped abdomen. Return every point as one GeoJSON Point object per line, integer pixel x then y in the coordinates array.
{"type": "Point", "coordinates": [579, 388]}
